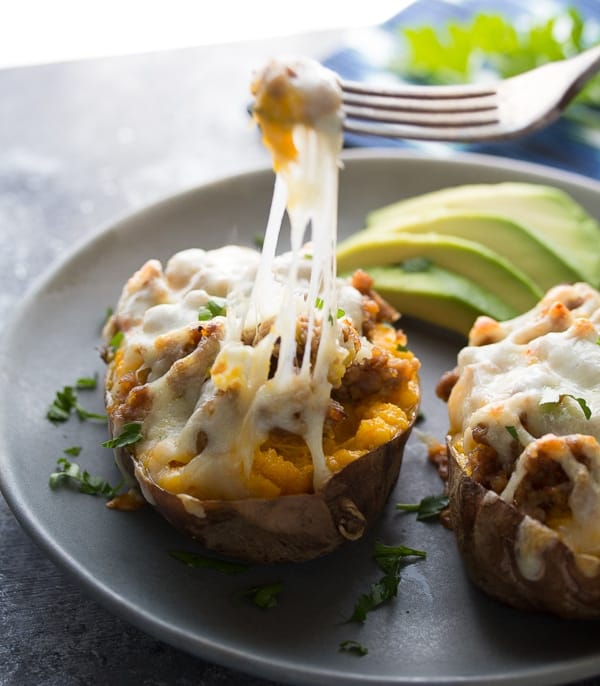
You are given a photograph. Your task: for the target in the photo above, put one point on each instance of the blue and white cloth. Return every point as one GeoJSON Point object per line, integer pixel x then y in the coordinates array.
{"type": "Point", "coordinates": [565, 144]}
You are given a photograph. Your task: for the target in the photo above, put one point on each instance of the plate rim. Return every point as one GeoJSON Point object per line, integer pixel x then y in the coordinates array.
{"type": "Point", "coordinates": [138, 616]}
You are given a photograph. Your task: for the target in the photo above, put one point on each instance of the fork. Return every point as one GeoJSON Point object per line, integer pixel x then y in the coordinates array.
{"type": "Point", "coordinates": [473, 112]}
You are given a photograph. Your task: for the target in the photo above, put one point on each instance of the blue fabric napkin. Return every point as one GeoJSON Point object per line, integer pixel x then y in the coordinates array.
{"type": "Point", "coordinates": [565, 144]}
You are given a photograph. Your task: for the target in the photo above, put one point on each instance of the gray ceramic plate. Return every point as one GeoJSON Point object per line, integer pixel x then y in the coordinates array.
{"type": "Point", "coordinates": [439, 629]}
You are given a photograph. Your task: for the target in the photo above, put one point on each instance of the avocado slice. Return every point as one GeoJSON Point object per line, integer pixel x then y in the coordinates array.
{"type": "Point", "coordinates": [513, 241]}
{"type": "Point", "coordinates": [556, 219]}
{"type": "Point", "coordinates": [471, 260]}
{"type": "Point", "coordinates": [438, 296]}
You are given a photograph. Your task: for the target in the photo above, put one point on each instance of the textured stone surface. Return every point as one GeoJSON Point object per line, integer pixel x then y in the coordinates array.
{"type": "Point", "coordinates": [81, 144]}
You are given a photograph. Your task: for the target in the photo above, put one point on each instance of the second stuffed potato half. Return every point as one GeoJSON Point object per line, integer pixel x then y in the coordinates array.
{"type": "Point", "coordinates": [524, 454]}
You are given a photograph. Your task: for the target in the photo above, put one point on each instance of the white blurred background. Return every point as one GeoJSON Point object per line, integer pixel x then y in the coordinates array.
{"type": "Point", "coordinates": [42, 31]}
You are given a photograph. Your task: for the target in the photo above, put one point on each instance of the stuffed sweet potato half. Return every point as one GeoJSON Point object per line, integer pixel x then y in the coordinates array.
{"type": "Point", "coordinates": [524, 455]}
{"type": "Point", "coordinates": [254, 459]}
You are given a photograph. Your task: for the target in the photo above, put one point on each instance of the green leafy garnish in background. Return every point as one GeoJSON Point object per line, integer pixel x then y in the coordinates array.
{"type": "Point", "coordinates": [460, 52]}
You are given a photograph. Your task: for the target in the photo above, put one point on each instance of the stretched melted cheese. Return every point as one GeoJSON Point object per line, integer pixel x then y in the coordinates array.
{"type": "Point", "coordinates": [539, 375]}
{"type": "Point", "coordinates": [208, 393]}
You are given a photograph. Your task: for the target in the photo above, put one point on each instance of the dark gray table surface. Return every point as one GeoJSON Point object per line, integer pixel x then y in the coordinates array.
{"type": "Point", "coordinates": [81, 144]}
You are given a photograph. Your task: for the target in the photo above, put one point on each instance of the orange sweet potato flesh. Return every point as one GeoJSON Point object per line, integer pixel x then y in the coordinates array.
{"type": "Point", "coordinates": [290, 528]}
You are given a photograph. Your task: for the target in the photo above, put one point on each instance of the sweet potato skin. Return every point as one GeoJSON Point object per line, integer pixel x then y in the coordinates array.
{"type": "Point", "coordinates": [486, 530]}
{"type": "Point", "coordinates": [290, 528]}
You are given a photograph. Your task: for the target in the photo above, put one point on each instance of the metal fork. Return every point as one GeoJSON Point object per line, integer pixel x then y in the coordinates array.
{"type": "Point", "coordinates": [472, 112]}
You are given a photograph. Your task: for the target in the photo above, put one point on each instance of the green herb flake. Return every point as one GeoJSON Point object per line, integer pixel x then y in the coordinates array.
{"type": "Point", "coordinates": [416, 264]}
{"type": "Point", "coordinates": [82, 413]}
{"type": "Point", "coordinates": [353, 647]}
{"type": "Point", "coordinates": [116, 340]}
{"type": "Point", "coordinates": [68, 473]}
{"type": "Point", "coordinates": [73, 451]}
{"type": "Point", "coordinates": [259, 240]}
{"type": "Point", "coordinates": [214, 308]}
{"type": "Point", "coordinates": [87, 383]}
{"type": "Point", "coordinates": [203, 562]}
{"type": "Point", "coordinates": [64, 401]}
{"type": "Point", "coordinates": [402, 348]}
{"type": "Point", "coordinates": [131, 433]}
{"type": "Point", "coordinates": [381, 591]}
{"type": "Point", "coordinates": [319, 302]}
{"type": "Point", "coordinates": [513, 432]}
{"type": "Point", "coordinates": [428, 508]}
{"type": "Point", "coordinates": [583, 405]}
{"type": "Point", "coordinates": [389, 559]}
{"type": "Point", "coordinates": [265, 597]}
{"type": "Point", "coordinates": [551, 399]}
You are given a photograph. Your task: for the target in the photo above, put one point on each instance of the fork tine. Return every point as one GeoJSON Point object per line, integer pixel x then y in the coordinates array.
{"type": "Point", "coordinates": [459, 134]}
{"type": "Point", "coordinates": [410, 90]}
{"type": "Point", "coordinates": [443, 119]}
{"type": "Point", "coordinates": [478, 103]}
{"type": "Point", "coordinates": [471, 112]}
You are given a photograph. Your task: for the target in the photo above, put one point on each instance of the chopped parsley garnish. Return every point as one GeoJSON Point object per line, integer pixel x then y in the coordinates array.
{"type": "Point", "coordinates": [429, 507]}
{"type": "Point", "coordinates": [70, 473]}
{"type": "Point", "coordinates": [264, 597]}
{"type": "Point", "coordinates": [402, 348]}
{"type": "Point", "coordinates": [65, 402]}
{"type": "Point", "coordinates": [87, 382]}
{"type": "Point", "coordinates": [416, 264]}
{"type": "Point", "coordinates": [583, 405]}
{"type": "Point", "coordinates": [204, 562]}
{"type": "Point", "coordinates": [259, 240]}
{"type": "Point", "coordinates": [213, 308]}
{"type": "Point", "coordinates": [513, 432]}
{"type": "Point", "coordinates": [82, 413]}
{"type": "Point", "coordinates": [116, 340]}
{"type": "Point", "coordinates": [353, 647]}
{"type": "Point", "coordinates": [389, 559]}
{"type": "Point", "coordinates": [552, 398]}
{"type": "Point", "coordinates": [74, 451]}
{"type": "Point", "coordinates": [319, 302]}
{"type": "Point", "coordinates": [130, 434]}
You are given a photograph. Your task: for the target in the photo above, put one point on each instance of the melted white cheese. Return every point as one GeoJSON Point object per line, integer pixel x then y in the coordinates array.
{"type": "Point", "coordinates": [540, 376]}
{"type": "Point", "coordinates": [267, 295]}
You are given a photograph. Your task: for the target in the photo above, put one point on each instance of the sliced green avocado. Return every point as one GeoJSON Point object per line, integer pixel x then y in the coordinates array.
{"type": "Point", "coordinates": [557, 220]}
{"type": "Point", "coordinates": [467, 258]}
{"type": "Point", "coordinates": [438, 296]}
{"type": "Point", "coordinates": [515, 242]}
